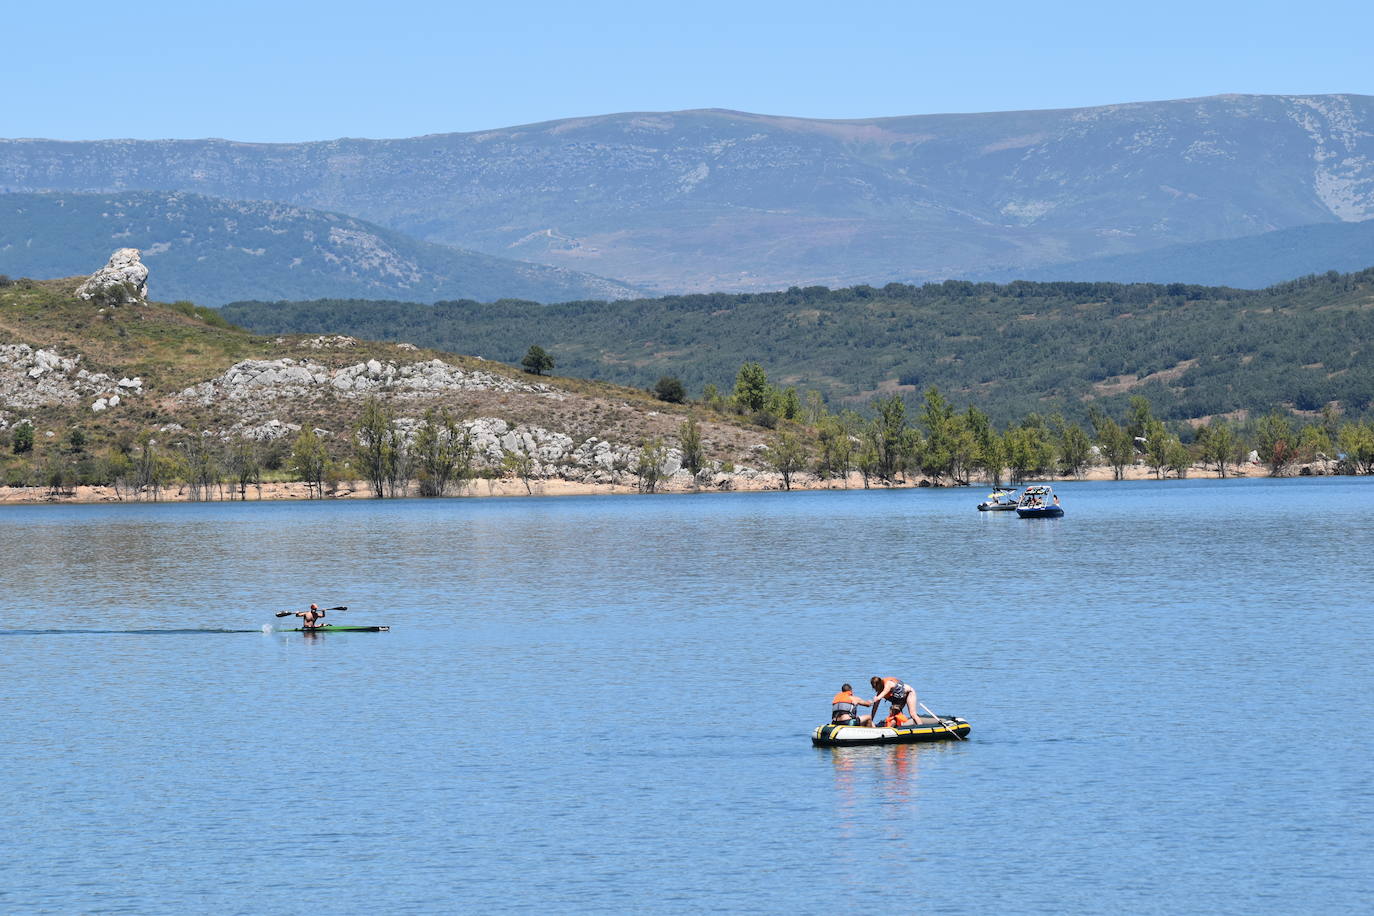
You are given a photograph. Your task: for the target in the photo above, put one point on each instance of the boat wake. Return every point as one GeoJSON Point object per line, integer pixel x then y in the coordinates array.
{"type": "Point", "coordinates": [116, 632]}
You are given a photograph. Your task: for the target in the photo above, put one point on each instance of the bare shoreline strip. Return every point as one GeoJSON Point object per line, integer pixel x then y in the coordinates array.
{"type": "Point", "coordinates": [294, 491]}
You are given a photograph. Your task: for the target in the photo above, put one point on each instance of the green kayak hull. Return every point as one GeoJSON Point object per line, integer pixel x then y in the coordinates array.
{"type": "Point", "coordinates": [333, 629]}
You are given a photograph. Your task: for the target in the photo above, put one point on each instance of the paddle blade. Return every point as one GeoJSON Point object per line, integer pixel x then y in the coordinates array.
{"type": "Point", "coordinates": [283, 613]}
{"type": "Point", "coordinates": [342, 607]}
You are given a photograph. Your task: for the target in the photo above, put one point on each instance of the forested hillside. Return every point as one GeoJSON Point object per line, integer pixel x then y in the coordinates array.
{"type": "Point", "coordinates": [145, 399]}
{"type": "Point", "coordinates": [1010, 349]}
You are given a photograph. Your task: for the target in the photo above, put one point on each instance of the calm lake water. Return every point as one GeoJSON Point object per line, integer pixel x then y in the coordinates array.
{"type": "Point", "coordinates": [604, 704]}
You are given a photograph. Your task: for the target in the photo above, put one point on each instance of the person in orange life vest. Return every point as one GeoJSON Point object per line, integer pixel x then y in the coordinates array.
{"type": "Point", "coordinates": [895, 719]}
{"type": "Point", "coordinates": [844, 708]}
{"type": "Point", "coordinates": [899, 694]}
{"type": "Point", "coordinates": [311, 619]}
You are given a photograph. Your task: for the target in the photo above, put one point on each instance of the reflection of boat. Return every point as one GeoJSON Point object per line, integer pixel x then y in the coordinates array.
{"type": "Point", "coordinates": [1001, 499]}
{"type": "Point", "coordinates": [951, 728]}
{"type": "Point", "coordinates": [1039, 502]}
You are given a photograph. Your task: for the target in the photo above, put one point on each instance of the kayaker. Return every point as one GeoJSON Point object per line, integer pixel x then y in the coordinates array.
{"type": "Point", "coordinates": [844, 708]}
{"type": "Point", "coordinates": [311, 619]}
{"type": "Point", "coordinates": [895, 691]}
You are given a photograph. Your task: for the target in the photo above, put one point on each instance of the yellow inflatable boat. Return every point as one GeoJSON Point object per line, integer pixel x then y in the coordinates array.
{"type": "Point", "coordinates": [949, 728]}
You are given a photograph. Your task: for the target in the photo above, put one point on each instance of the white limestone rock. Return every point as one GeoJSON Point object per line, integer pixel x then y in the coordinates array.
{"type": "Point", "coordinates": [259, 381]}
{"type": "Point", "coordinates": [42, 378]}
{"type": "Point", "coordinates": [124, 280]}
{"type": "Point", "coordinates": [336, 342]}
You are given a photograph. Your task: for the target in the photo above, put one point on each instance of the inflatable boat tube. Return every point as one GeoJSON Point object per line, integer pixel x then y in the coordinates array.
{"type": "Point", "coordinates": [953, 729]}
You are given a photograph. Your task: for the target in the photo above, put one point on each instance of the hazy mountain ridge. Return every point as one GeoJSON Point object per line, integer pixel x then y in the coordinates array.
{"type": "Point", "coordinates": [212, 251]}
{"type": "Point", "coordinates": [1249, 262]}
{"type": "Point", "coordinates": [718, 199]}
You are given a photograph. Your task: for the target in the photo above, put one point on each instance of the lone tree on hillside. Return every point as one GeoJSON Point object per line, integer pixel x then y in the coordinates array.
{"type": "Point", "coordinates": [689, 435]}
{"type": "Point", "coordinates": [537, 360]}
{"type": "Point", "coordinates": [751, 387]}
{"type": "Point", "coordinates": [669, 388]}
{"type": "Point", "coordinates": [23, 438]}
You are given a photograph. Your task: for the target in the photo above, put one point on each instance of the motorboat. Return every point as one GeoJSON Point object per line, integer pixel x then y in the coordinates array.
{"type": "Point", "coordinates": [1001, 499]}
{"type": "Point", "coordinates": [1039, 502]}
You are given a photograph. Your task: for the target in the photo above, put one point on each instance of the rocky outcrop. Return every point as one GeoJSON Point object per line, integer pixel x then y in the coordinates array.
{"type": "Point", "coordinates": [262, 381]}
{"type": "Point", "coordinates": [43, 378]}
{"type": "Point", "coordinates": [336, 342]}
{"type": "Point", "coordinates": [124, 280]}
{"type": "Point", "coordinates": [555, 454]}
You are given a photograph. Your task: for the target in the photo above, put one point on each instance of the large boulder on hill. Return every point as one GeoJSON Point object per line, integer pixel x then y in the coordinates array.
{"type": "Point", "coordinates": [122, 281]}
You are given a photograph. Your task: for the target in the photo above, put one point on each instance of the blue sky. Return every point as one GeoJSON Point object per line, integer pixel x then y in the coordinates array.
{"type": "Point", "coordinates": [285, 71]}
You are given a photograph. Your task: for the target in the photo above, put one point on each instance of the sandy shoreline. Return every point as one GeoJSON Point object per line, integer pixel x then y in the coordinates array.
{"type": "Point", "coordinates": [286, 492]}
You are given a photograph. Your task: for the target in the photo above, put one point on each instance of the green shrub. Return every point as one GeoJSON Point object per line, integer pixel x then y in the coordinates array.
{"type": "Point", "coordinates": [22, 437]}
{"type": "Point", "coordinates": [670, 389]}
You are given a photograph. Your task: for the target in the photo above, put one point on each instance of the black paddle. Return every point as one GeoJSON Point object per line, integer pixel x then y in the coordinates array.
{"type": "Point", "coordinates": [342, 607]}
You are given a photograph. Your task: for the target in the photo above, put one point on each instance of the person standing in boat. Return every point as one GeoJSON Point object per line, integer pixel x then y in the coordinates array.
{"type": "Point", "coordinates": [900, 694]}
{"type": "Point", "coordinates": [311, 619]}
{"type": "Point", "coordinates": [844, 708]}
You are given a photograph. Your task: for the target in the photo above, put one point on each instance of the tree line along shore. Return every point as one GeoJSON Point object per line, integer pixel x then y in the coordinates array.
{"type": "Point", "coordinates": [101, 387]}
{"type": "Point", "coordinates": [803, 444]}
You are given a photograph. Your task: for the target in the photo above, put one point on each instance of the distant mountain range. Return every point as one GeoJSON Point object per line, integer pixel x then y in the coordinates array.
{"type": "Point", "coordinates": [1250, 262]}
{"type": "Point", "coordinates": [211, 251]}
{"type": "Point", "coordinates": [705, 200]}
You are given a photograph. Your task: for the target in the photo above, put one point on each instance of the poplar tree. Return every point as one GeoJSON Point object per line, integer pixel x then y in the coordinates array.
{"type": "Point", "coordinates": [375, 446]}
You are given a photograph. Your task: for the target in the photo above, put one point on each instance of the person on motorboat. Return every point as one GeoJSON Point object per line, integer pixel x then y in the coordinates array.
{"type": "Point", "coordinates": [844, 708]}
{"type": "Point", "coordinates": [311, 619]}
{"type": "Point", "coordinates": [898, 693]}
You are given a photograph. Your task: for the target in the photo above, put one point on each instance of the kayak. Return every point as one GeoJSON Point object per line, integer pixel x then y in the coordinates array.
{"type": "Point", "coordinates": [334, 629]}
{"type": "Point", "coordinates": [953, 729]}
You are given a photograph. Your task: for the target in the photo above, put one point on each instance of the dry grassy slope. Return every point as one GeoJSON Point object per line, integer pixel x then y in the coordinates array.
{"type": "Point", "coordinates": [171, 351]}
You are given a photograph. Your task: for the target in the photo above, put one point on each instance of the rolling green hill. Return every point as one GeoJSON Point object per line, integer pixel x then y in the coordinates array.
{"type": "Point", "coordinates": [211, 251]}
{"type": "Point", "coordinates": [85, 385]}
{"type": "Point", "coordinates": [1194, 351]}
